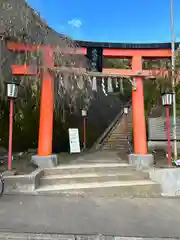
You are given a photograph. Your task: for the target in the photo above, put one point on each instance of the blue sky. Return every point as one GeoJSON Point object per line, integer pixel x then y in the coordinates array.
{"type": "Point", "coordinates": [111, 21]}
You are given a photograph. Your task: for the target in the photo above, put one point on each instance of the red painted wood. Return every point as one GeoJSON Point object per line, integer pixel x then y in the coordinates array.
{"type": "Point", "coordinates": [168, 134]}
{"type": "Point", "coordinates": [24, 70]}
{"type": "Point", "coordinates": [138, 115]}
{"type": "Point", "coordinates": [46, 105]}
{"type": "Point", "coordinates": [21, 47]}
{"type": "Point", "coordinates": [137, 52]}
{"type": "Point", "coordinates": [11, 115]}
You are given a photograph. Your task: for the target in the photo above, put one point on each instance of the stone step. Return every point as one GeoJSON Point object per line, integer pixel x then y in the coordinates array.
{"type": "Point", "coordinates": [114, 136]}
{"type": "Point", "coordinates": [116, 139]}
{"type": "Point", "coordinates": [116, 147]}
{"type": "Point", "coordinates": [138, 188]}
{"type": "Point", "coordinates": [92, 177]}
{"type": "Point", "coordinates": [92, 161]}
{"type": "Point", "coordinates": [88, 168]}
{"type": "Point", "coordinates": [118, 134]}
{"type": "Point", "coordinates": [125, 151]}
{"type": "Point", "coordinates": [120, 141]}
{"type": "Point", "coordinates": [118, 144]}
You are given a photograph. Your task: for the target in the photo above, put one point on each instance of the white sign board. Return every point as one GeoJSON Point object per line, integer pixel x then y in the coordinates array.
{"type": "Point", "coordinates": [74, 140]}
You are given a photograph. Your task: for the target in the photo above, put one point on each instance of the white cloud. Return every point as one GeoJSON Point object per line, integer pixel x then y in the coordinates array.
{"type": "Point", "coordinates": [75, 23]}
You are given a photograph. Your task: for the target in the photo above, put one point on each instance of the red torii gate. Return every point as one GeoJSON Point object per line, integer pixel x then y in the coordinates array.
{"type": "Point", "coordinates": [138, 116]}
{"type": "Point", "coordinates": [47, 98]}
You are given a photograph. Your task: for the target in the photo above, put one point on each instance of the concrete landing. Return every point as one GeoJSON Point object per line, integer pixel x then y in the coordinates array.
{"type": "Point", "coordinates": [100, 157]}
{"type": "Point", "coordinates": [145, 217]}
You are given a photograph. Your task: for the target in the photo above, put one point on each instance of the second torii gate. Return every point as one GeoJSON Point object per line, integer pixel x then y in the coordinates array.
{"type": "Point", "coordinates": [45, 155]}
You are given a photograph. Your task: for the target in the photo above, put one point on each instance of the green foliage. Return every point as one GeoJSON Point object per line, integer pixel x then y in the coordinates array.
{"type": "Point", "coordinates": [126, 92]}
{"type": "Point", "coordinates": [116, 63]}
{"type": "Point", "coordinates": [153, 89]}
{"type": "Point", "coordinates": [156, 64]}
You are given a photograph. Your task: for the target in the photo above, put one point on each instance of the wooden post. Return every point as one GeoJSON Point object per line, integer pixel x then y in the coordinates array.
{"type": "Point", "coordinates": [47, 104]}
{"type": "Point", "coordinates": [138, 113]}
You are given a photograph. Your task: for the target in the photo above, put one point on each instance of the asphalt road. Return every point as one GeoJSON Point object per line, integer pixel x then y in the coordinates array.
{"type": "Point", "coordinates": [113, 216]}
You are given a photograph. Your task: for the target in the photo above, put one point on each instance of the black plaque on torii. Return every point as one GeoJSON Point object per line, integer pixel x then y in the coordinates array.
{"type": "Point", "coordinates": [95, 56]}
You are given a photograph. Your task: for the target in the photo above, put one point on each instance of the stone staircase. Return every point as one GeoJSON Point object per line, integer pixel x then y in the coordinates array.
{"type": "Point", "coordinates": [97, 179]}
{"type": "Point", "coordinates": [115, 136]}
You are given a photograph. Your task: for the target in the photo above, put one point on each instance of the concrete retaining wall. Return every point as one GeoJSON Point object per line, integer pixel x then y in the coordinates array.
{"type": "Point", "coordinates": [157, 128]}
{"type": "Point", "coordinates": [23, 183]}
{"type": "Point", "coordinates": [169, 180]}
{"type": "Point", "coordinates": [161, 145]}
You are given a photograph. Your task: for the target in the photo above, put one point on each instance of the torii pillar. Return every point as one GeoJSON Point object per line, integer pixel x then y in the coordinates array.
{"type": "Point", "coordinates": [140, 158]}
{"type": "Point", "coordinates": [45, 158]}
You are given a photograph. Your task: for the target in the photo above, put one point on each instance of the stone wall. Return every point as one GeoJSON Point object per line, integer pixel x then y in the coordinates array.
{"type": "Point", "coordinates": [157, 128]}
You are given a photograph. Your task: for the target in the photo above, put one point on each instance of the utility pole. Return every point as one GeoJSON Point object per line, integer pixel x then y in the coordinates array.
{"type": "Point", "coordinates": [173, 77]}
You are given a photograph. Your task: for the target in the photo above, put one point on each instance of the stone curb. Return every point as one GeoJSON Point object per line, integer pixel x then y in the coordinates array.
{"type": "Point", "coordinates": [33, 236]}
{"type": "Point", "coordinates": [22, 183]}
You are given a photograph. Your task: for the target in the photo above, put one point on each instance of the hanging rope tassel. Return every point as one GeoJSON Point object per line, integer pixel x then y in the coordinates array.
{"type": "Point", "coordinates": [121, 86]}
{"type": "Point", "coordinates": [117, 83]}
{"type": "Point", "coordinates": [80, 82]}
{"type": "Point", "coordinates": [103, 87]}
{"type": "Point", "coordinates": [94, 84]}
{"type": "Point", "coordinates": [60, 84]}
{"type": "Point", "coordinates": [110, 87]}
{"type": "Point", "coordinates": [66, 83]}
